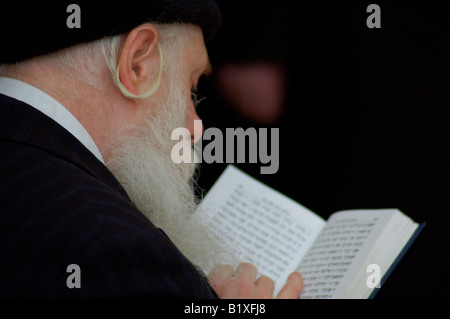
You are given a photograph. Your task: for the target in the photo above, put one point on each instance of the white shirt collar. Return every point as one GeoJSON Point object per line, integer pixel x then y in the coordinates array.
{"type": "Point", "coordinates": [49, 106]}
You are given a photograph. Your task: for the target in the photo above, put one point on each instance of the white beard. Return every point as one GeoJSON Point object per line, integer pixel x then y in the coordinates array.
{"type": "Point", "coordinates": [164, 191]}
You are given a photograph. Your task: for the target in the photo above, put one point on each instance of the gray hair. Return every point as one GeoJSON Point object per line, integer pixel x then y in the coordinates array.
{"type": "Point", "coordinates": [89, 61]}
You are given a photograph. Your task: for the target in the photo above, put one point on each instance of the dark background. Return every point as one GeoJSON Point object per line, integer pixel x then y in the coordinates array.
{"type": "Point", "coordinates": [366, 120]}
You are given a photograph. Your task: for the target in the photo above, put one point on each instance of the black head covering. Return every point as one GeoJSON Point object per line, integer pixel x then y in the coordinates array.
{"type": "Point", "coordinates": [40, 27]}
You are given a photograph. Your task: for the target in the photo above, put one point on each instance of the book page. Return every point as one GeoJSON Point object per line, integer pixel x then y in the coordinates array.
{"type": "Point", "coordinates": [333, 261]}
{"type": "Point", "coordinates": [268, 229]}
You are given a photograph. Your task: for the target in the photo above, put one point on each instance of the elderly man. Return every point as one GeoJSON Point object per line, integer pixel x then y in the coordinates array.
{"type": "Point", "coordinates": [87, 182]}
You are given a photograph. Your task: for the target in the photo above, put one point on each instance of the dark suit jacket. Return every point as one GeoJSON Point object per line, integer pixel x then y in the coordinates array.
{"type": "Point", "coordinates": [59, 206]}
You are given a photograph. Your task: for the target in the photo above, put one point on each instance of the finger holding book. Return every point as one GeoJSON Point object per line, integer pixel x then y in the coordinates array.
{"type": "Point", "coordinates": [244, 284]}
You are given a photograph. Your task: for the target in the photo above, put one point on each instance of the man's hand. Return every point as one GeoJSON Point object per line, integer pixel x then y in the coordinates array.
{"type": "Point", "coordinates": [242, 283]}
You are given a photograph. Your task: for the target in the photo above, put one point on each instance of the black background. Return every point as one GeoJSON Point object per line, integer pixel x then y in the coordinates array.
{"type": "Point", "coordinates": [366, 121]}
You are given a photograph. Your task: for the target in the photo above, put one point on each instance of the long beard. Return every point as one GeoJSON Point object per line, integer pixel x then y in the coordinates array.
{"type": "Point", "coordinates": [164, 191]}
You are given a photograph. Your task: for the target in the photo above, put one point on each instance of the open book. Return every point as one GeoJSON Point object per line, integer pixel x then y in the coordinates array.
{"type": "Point", "coordinates": [348, 256]}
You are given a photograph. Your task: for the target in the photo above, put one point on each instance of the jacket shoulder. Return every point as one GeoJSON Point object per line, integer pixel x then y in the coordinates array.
{"type": "Point", "coordinates": [54, 213]}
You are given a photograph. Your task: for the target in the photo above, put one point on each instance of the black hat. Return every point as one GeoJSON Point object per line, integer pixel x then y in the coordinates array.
{"type": "Point", "coordinates": [32, 29]}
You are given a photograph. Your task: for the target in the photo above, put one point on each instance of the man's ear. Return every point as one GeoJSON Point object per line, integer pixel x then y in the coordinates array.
{"type": "Point", "coordinates": [139, 59]}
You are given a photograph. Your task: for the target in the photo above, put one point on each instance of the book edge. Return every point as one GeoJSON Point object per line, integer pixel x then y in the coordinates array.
{"type": "Point", "coordinates": [399, 257]}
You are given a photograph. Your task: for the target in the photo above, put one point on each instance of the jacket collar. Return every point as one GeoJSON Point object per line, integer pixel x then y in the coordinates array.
{"type": "Point", "coordinates": [21, 123]}
{"type": "Point", "coordinates": [45, 103]}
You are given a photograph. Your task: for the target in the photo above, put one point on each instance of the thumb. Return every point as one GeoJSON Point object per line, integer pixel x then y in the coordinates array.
{"type": "Point", "coordinates": [292, 288]}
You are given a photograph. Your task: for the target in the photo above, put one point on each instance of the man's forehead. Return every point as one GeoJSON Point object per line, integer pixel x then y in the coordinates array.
{"type": "Point", "coordinates": [196, 52]}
